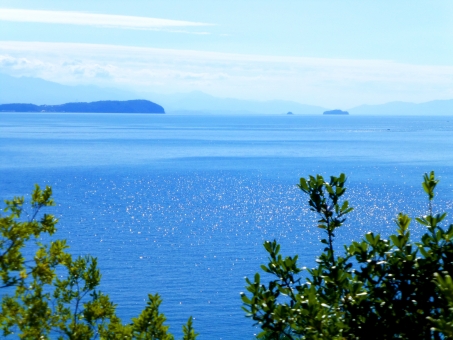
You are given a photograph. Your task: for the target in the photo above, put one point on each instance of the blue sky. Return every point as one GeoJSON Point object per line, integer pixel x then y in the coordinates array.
{"type": "Point", "coordinates": [325, 52]}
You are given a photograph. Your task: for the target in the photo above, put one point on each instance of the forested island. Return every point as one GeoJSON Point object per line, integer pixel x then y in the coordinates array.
{"type": "Point", "coordinates": [336, 112]}
{"type": "Point", "coordinates": [106, 106]}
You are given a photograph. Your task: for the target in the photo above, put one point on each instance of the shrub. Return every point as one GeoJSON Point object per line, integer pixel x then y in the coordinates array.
{"type": "Point", "coordinates": [377, 289]}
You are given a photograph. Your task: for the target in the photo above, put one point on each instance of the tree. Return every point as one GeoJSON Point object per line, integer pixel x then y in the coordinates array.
{"type": "Point", "coordinates": [37, 304]}
{"type": "Point", "coordinates": [378, 289]}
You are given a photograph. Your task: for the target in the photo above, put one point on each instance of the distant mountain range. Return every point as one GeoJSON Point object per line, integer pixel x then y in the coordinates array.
{"type": "Point", "coordinates": [199, 102]}
{"type": "Point", "coordinates": [39, 91]}
{"type": "Point", "coordinates": [106, 106]}
{"type": "Point", "coordinates": [42, 92]}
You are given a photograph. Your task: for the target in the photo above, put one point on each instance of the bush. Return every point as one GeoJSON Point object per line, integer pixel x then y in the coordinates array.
{"type": "Point", "coordinates": [377, 289]}
{"type": "Point", "coordinates": [37, 304]}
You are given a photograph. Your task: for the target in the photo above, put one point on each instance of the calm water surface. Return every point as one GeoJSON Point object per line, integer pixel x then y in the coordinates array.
{"type": "Point", "coordinates": [181, 205]}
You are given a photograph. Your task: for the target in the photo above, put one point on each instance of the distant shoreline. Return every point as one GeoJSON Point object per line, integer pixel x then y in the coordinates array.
{"type": "Point", "coordinates": [107, 106]}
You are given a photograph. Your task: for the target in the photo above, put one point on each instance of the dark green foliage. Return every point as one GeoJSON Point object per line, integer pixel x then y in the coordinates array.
{"type": "Point", "coordinates": [150, 323]}
{"type": "Point", "coordinates": [379, 289]}
{"type": "Point", "coordinates": [324, 199]}
{"type": "Point", "coordinates": [36, 304]}
{"type": "Point", "coordinates": [444, 323]}
{"type": "Point", "coordinates": [189, 332]}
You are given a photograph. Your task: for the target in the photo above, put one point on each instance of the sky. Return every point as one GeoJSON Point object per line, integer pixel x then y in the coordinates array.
{"type": "Point", "coordinates": [329, 53]}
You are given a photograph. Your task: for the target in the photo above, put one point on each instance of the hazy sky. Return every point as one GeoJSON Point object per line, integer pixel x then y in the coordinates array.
{"type": "Point", "coordinates": [326, 52]}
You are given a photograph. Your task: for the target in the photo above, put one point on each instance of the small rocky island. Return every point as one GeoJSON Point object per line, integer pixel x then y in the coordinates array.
{"type": "Point", "coordinates": [106, 106]}
{"type": "Point", "coordinates": [336, 112]}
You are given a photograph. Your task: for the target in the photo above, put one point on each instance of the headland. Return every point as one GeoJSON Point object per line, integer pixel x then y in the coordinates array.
{"type": "Point", "coordinates": [106, 106]}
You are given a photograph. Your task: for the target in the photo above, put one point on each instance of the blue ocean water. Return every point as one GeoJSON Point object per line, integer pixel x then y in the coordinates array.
{"type": "Point", "coordinates": [181, 205]}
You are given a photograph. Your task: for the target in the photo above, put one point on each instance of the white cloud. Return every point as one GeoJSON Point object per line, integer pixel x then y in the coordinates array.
{"type": "Point", "coordinates": [99, 20]}
{"type": "Point", "coordinates": [327, 82]}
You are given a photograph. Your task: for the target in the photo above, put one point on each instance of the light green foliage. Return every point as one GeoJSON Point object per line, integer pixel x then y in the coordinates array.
{"type": "Point", "coordinates": [14, 235]}
{"type": "Point", "coordinates": [379, 289]}
{"type": "Point", "coordinates": [38, 304]}
{"type": "Point", "coordinates": [429, 184]}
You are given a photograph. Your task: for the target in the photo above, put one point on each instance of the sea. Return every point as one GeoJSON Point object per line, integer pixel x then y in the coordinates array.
{"type": "Point", "coordinates": [180, 205]}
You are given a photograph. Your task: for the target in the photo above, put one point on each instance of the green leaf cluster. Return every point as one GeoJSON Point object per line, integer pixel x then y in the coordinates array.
{"type": "Point", "coordinates": [376, 289]}
{"type": "Point", "coordinates": [51, 295]}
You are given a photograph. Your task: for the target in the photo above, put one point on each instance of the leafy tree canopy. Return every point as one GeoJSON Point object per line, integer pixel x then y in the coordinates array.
{"type": "Point", "coordinates": [376, 289]}
{"type": "Point", "coordinates": [38, 304]}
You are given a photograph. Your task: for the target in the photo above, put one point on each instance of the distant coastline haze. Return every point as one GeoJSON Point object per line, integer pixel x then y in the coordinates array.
{"type": "Point", "coordinates": [29, 90]}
